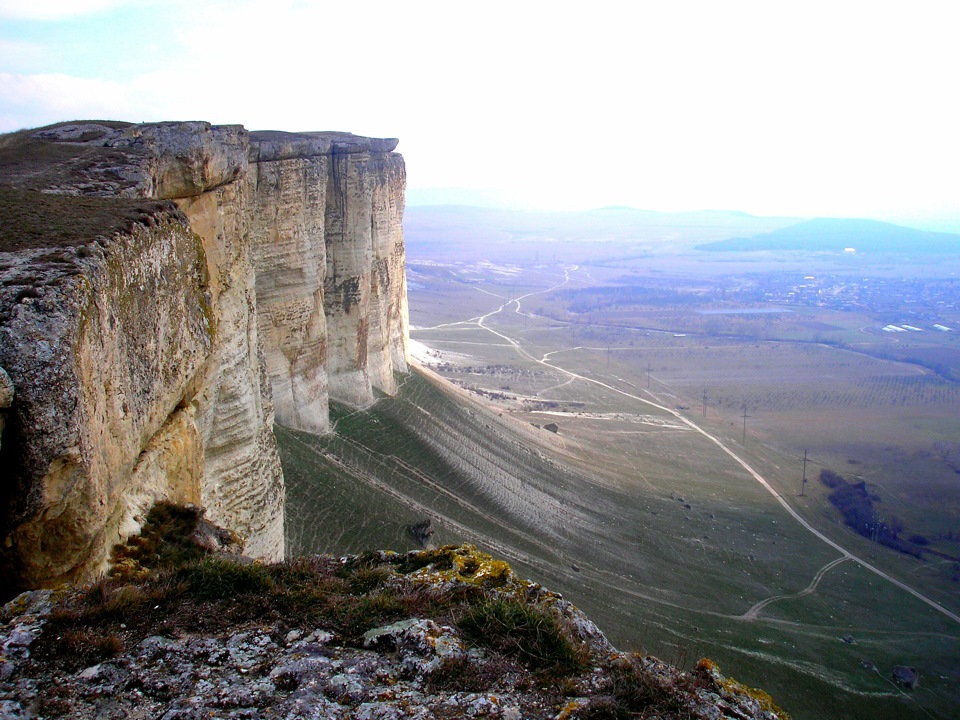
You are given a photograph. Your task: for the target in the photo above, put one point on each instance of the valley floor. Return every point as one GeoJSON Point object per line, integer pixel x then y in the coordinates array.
{"type": "Point", "coordinates": [579, 464]}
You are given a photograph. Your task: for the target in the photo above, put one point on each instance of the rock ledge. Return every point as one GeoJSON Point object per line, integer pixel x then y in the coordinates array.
{"type": "Point", "coordinates": [447, 633]}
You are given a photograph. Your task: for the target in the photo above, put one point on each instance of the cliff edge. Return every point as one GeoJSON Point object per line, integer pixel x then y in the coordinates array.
{"type": "Point", "coordinates": [447, 633]}
{"type": "Point", "coordinates": [164, 290]}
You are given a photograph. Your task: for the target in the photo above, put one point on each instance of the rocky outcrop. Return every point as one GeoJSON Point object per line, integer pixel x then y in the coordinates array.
{"type": "Point", "coordinates": [449, 633]}
{"type": "Point", "coordinates": [146, 344]}
{"type": "Point", "coordinates": [106, 360]}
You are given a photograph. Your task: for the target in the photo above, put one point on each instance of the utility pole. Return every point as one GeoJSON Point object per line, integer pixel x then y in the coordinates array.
{"type": "Point", "coordinates": [803, 482]}
{"type": "Point", "coordinates": [648, 376]}
{"type": "Point", "coordinates": [704, 402]}
{"type": "Point", "coordinates": [608, 357]}
{"type": "Point", "coordinates": [745, 416]}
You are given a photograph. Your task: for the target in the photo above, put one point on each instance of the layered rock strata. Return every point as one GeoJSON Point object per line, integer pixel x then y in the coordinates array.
{"type": "Point", "coordinates": [144, 346]}
{"type": "Point", "coordinates": [328, 248]}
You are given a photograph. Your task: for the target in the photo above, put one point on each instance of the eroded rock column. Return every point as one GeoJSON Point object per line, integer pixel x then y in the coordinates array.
{"type": "Point", "coordinates": [288, 208]}
{"type": "Point", "coordinates": [347, 281]}
{"type": "Point", "coordinates": [388, 331]}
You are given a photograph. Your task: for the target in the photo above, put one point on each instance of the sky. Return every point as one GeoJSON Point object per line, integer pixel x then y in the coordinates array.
{"type": "Point", "coordinates": [804, 108]}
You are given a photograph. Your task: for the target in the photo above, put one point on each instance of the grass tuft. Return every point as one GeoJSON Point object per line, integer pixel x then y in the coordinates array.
{"type": "Point", "coordinates": [217, 579]}
{"type": "Point", "coordinates": [524, 632]}
{"type": "Point", "coordinates": [636, 688]}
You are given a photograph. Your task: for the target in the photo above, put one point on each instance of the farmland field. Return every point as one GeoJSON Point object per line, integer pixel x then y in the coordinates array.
{"type": "Point", "coordinates": [612, 451]}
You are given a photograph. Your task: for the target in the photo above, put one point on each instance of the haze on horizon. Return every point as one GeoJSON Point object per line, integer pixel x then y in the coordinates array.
{"type": "Point", "coordinates": [812, 109]}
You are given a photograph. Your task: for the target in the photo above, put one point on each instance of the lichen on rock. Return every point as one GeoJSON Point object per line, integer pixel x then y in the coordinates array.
{"type": "Point", "coordinates": [380, 635]}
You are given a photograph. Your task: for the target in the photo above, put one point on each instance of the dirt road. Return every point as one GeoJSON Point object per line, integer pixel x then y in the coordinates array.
{"type": "Point", "coordinates": [845, 554]}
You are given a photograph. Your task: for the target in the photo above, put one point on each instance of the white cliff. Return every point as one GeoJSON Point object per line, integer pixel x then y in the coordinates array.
{"type": "Point", "coordinates": [147, 344]}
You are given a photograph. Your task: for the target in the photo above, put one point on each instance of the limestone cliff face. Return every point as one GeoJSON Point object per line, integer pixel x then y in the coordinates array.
{"type": "Point", "coordinates": [102, 360]}
{"type": "Point", "coordinates": [144, 347]}
{"type": "Point", "coordinates": [242, 483]}
{"type": "Point", "coordinates": [328, 248]}
{"type": "Point", "coordinates": [289, 252]}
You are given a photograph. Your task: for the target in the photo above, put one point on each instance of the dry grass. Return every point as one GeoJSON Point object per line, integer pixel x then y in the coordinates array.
{"type": "Point", "coordinates": [30, 216]}
{"type": "Point", "coordinates": [38, 220]}
{"type": "Point", "coordinates": [217, 594]}
{"type": "Point", "coordinates": [516, 629]}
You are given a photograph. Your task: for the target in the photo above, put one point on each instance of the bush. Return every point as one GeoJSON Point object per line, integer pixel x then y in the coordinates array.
{"type": "Point", "coordinates": [856, 505]}
{"type": "Point", "coordinates": [831, 479]}
{"type": "Point", "coordinates": [166, 540]}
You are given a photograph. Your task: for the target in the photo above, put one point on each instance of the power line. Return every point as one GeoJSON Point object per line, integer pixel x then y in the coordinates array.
{"type": "Point", "coordinates": [803, 482]}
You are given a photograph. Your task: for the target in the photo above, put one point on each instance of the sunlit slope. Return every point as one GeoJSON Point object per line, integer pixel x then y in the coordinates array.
{"type": "Point", "coordinates": [493, 480]}
{"type": "Point", "coordinates": [666, 554]}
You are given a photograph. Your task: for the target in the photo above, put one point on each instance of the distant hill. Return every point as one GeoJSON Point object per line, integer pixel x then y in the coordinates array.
{"type": "Point", "coordinates": [838, 234]}
{"type": "Point", "coordinates": [437, 228]}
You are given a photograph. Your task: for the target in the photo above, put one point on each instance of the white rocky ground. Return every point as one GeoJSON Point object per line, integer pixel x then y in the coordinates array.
{"type": "Point", "coordinates": [427, 356]}
{"type": "Point", "coordinates": [275, 667]}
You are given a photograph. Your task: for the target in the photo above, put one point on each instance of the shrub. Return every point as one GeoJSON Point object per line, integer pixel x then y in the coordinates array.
{"type": "Point", "coordinates": [166, 540]}
{"type": "Point", "coordinates": [856, 506]}
{"type": "Point", "coordinates": [831, 479]}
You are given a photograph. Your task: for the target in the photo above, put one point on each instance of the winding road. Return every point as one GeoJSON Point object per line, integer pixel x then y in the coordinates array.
{"type": "Point", "coordinates": [754, 611]}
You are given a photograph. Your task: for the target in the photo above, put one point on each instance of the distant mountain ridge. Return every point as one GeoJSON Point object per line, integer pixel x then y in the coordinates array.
{"type": "Point", "coordinates": [839, 234]}
{"type": "Point", "coordinates": [481, 226]}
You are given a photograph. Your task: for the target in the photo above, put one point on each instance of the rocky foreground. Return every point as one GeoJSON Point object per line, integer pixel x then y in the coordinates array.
{"type": "Point", "coordinates": [445, 633]}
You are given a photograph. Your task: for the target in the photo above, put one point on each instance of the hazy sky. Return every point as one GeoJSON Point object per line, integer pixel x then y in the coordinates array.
{"type": "Point", "coordinates": [801, 108]}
